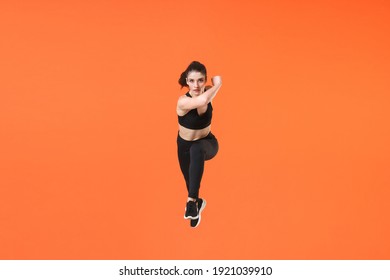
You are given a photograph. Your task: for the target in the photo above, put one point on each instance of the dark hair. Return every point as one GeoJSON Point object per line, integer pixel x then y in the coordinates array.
{"type": "Point", "coordinates": [194, 66]}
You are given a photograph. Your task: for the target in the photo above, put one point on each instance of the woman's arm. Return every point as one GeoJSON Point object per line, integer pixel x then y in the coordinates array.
{"type": "Point", "coordinates": [186, 103]}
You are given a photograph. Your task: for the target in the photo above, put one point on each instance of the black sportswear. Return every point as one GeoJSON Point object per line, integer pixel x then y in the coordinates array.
{"type": "Point", "coordinates": [192, 120]}
{"type": "Point", "coordinates": [192, 156]}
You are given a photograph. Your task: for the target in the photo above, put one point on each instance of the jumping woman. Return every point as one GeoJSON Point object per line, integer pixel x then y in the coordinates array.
{"type": "Point", "coordinates": [195, 142]}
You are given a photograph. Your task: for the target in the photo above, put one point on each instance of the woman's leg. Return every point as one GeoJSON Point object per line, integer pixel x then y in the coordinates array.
{"type": "Point", "coordinates": [192, 155]}
{"type": "Point", "coordinates": [200, 151]}
{"type": "Point", "coordinates": [183, 152]}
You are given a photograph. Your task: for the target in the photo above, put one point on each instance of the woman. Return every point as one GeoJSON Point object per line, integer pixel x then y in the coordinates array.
{"type": "Point", "coordinates": [195, 142]}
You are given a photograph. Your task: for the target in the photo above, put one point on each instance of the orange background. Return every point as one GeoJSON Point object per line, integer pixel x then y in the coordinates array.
{"type": "Point", "coordinates": [88, 129]}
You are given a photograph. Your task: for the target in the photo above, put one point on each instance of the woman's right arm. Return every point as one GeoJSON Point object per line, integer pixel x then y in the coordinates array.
{"type": "Point", "coordinates": [186, 103]}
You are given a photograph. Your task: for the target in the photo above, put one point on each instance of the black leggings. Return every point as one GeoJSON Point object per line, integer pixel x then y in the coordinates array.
{"type": "Point", "coordinates": [192, 155]}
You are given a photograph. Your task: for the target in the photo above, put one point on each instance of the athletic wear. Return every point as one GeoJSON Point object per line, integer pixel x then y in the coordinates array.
{"type": "Point", "coordinates": [192, 120]}
{"type": "Point", "coordinates": [192, 155]}
{"type": "Point", "coordinates": [201, 206]}
{"type": "Point", "coordinates": [191, 210]}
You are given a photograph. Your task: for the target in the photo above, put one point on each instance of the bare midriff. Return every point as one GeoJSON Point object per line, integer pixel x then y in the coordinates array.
{"type": "Point", "coordinates": [193, 134]}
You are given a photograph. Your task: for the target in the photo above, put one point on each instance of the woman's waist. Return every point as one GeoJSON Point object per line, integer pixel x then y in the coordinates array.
{"type": "Point", "coordinates": [193, 134]}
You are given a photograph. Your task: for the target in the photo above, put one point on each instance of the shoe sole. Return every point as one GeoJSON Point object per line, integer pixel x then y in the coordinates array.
{"type": "Point", "coordinates": [200, 211]}
{"type": "Point", "coordinates": [191, 218]}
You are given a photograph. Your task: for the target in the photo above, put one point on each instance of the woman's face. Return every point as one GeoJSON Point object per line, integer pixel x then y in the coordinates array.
{"type": "Point", "coordinates": [196, 82]}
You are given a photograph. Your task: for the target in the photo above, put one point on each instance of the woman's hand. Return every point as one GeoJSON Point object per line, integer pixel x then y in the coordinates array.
{"type": "Point", "coordinates": [216, 80]}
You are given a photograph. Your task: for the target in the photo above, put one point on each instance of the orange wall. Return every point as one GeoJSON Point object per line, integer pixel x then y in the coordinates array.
{"type": "Point", "coordinates": [88, 166]}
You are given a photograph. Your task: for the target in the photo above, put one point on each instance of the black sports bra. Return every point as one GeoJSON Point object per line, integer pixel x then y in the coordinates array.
{"type": "Point", "coordinates": [192, 120]}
